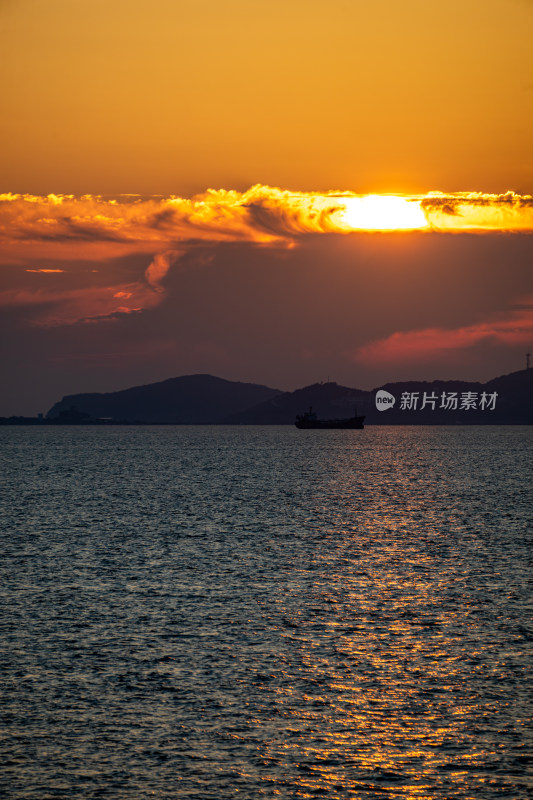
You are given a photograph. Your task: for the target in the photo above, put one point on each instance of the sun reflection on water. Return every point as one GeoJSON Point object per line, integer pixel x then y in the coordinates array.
{"type": "Point", "coordinates": [356, 627]}
{"type": "Point", "coordinates": [394, 660]}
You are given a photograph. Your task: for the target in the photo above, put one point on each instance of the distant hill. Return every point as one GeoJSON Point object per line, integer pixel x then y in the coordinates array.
{"type": "Point", "coordinates": [512, 405]}
{"type": "Point", "coordinates": [329, 399]}
{"type": "Point", "coordinates": [190, 399]}
{"type": "Point", "coordinates": [204, 399]}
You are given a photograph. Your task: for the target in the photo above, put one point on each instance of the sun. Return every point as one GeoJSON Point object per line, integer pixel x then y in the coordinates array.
{"type": "Point", "coordinates": [376, 212]}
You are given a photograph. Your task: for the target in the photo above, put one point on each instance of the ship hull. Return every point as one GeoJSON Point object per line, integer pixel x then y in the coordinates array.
{"type": "Point", "coordinates": [331, 424]}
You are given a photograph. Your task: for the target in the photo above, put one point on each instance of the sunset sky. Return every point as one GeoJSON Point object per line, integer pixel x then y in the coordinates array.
{"type": "Point", "coordinates": [276, 192]}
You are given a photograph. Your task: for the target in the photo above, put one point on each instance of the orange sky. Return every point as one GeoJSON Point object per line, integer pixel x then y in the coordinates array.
{"type": "Point", "coordinates": [184, 189]}
{"type": "Point", "coordinates": [168, 96]}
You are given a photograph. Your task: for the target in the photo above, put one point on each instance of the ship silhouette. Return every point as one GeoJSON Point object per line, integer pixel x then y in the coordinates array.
{"type": "Point", "coordinates": [310, 420]}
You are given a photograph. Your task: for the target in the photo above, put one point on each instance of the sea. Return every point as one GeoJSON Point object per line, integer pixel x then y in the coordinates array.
{"type": "Point", "coordinates": [216, 612]}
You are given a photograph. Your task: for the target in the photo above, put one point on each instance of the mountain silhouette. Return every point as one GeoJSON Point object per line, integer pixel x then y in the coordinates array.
{"type": "Point", "coordinates": [329, 399]}
{"type": "Point", "coordinates": [205, 399]}
{"type": "Point", "coordinates": [190, 399]}
{"type": "Point", "coordinates": [513, 404]}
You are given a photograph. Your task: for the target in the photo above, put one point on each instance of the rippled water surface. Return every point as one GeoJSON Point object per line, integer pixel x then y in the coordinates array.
{"type": "Point", "coordinates": [199, 612]}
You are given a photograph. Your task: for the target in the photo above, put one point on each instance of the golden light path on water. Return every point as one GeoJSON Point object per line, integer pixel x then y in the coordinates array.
{"type": "Point", "coordinates": [225, 612]}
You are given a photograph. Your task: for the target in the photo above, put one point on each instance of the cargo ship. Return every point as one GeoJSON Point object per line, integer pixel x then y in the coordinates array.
{"type": "Point", "coordinates": [310, 420]}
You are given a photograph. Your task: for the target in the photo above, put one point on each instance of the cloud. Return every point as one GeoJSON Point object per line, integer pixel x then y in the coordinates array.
{"type": "Point", "coordinates": [49, 308]}
{"type": "Point", "coordinates": [262, 214]}
{"type": "Point", "coordinates": [158, 269]}
{"type": "Point", "coordinates": [66, 229]}
{"type": "Point", "coordinates": [432, 344]}
{"type": "Point", "coordinates": [475, 211]}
